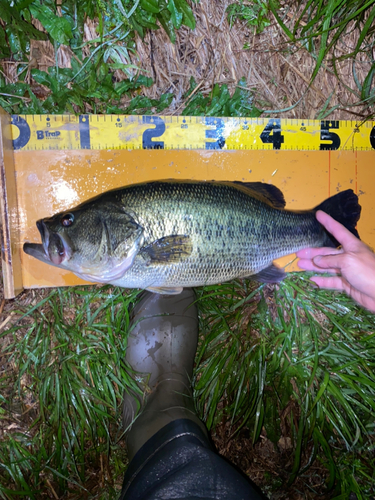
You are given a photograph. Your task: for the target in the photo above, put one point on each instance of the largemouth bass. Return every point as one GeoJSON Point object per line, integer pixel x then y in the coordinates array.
{"type": "Point", "coordinates": [163, 236]}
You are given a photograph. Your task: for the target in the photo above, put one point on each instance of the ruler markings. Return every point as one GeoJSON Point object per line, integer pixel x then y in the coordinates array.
{"type": "Point", "coordinates": [180, 132]}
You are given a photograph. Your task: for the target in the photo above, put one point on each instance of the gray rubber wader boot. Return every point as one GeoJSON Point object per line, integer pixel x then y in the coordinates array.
{"type": "Point", "coordinates": [161, 348]}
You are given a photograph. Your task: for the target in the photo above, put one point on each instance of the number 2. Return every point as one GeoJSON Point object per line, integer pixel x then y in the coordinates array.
{"type": "Point", "coordinates": [147, 142]}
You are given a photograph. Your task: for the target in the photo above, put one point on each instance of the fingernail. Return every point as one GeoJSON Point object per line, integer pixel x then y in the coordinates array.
{"type": "Point", "coordinates": [317, 259]}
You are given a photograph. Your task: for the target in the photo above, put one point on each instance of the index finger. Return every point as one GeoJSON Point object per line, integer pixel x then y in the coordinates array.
{"type": "Point", "coordinates": [310, 253]}
{"type": "Point", "coordinates": [342, 235]}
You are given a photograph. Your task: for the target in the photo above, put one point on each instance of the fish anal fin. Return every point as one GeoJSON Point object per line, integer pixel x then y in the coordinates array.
{"type": "Point", "coordinates": [270, 274]}
{"type": "Point", "coordinates": [165, 290]}
{"type": "Point", "coordinates": [169, 249]}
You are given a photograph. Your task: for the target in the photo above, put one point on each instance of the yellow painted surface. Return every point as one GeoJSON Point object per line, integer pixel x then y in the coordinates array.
{"type": "Point", "coordinates": [40, 132]}
{"type": "Point", "coordinates": [53, 181]}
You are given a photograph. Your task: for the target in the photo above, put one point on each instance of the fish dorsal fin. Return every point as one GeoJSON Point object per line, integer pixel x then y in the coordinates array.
{"type": "Point", "coordinates": [267, 193]}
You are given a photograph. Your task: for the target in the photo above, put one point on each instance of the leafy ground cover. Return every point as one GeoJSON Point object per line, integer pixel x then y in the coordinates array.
{"type": "Point", "coordinates": [311, 59]}
{"type": "Point", "coordinates": [284, 380]}
{"type": "Point", "coordinates": [284, 374]}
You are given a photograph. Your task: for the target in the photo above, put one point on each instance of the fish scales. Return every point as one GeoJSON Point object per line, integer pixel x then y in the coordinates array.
{"type": "Point", "coordinates": [233, 234]}
{"type": "Point", "coordinates": [167, 235]}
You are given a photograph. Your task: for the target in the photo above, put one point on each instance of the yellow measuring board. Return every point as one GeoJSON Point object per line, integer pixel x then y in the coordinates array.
{"type": "Point", "coordinates": [52, 163]}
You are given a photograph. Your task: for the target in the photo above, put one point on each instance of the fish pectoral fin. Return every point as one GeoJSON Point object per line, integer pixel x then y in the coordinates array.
{"type": "Point", "coordinates": [168, 249]}
{"type": "Point", "coordinates": [270, 274]}
{"type": "Point", "coordinates": [164, 290]}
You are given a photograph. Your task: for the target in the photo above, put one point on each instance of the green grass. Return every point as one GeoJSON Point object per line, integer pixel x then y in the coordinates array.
{"type": "Point", "coordinates": [303, 346]}
{"type": "Point", "coordinates": [319, 26]}
{"type": "Point", "coordinates": [70, 362]}
{"type": "Point", "coordinates": [254, 14]}
{"type": "Point", "coordinates": [89, 85]}
{"type": "Point", "coordinates": [262, 350]}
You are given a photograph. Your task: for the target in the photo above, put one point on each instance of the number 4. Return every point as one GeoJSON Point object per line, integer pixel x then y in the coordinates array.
{"type": "Point", "coordinates": [276, 138]}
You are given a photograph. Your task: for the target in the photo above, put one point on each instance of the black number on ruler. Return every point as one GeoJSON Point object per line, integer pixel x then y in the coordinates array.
{"type": "Point", "coordinates": [326, 135]}
{"type": "Point", "coordinates": [372, 137]}
{"type": "Point", "coordinates": [216, 133]}
{"type": "Point", "coordinates": [84, 131]}
{"type": "Point", "coordinates": [147, 142]}
{"type": "Point", "coordinates": [276, 138]}
{"type": "Point", "coordinates": [24, 129]}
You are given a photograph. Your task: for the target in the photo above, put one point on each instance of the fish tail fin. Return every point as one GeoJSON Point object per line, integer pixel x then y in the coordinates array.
{"type": "Point", "coordinates": [344, 208]}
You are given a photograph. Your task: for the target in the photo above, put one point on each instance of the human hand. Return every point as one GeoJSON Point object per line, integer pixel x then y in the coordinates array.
{"type": "Point", "coordinates": [353, 264]}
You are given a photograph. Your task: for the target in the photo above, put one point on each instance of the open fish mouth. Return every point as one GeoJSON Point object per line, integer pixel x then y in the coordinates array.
{"type": "Point", "coordinates": [44, 233]}
{"type": "Point", "coordinates": [36, 250]}
{"type": "Point", "coordinates": [53, 250]}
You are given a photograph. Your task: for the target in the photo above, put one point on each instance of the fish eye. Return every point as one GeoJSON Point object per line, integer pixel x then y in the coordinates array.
{"type": "Point", "coordinates": [67, 220]}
